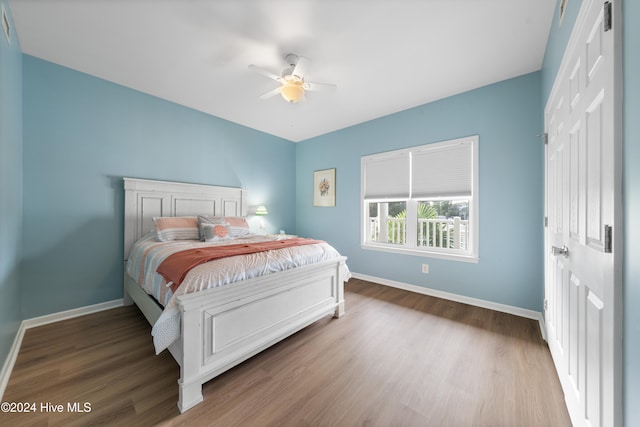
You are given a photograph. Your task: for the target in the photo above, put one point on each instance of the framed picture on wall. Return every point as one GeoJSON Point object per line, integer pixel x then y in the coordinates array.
{"type": "Point", "coordinates": [324, 187]}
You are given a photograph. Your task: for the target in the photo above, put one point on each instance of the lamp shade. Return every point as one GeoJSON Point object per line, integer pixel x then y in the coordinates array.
{"type": "Point", "coordinates": [261, 210]}
{"type": "Point", "coordinates": [292, 91]}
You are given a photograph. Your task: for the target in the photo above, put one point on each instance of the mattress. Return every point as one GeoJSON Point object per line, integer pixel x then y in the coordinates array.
{"type": "Point", "coordinates": [147, 254]}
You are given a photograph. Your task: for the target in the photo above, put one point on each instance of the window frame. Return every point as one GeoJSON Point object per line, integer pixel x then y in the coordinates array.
{"type": "Point", "coordinates": [410, 245]}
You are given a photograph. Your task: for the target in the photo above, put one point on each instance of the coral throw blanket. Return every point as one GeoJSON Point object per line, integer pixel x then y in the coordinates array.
{"type": "Point", "coordinates": [176, 266]}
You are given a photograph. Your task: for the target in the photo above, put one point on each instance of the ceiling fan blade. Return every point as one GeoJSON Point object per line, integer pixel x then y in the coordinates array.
{"type": "Point", "coordinates": [302, 66]}
{"type": "Point", "coordinates": [265, 73]}
{"type": "Point", "coordinates": [271, 93]}
{"type": "Point", "coordinates": [319, 87]}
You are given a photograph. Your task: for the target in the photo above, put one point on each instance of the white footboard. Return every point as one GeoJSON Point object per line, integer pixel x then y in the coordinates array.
{"type": "Point", "coordinates": [224, 326]}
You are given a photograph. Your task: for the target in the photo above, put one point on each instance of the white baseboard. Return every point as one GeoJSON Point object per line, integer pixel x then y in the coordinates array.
{"type": "Point", "coordinates": [517, 311]}
{"type": "Point", "coordinates": [9, 363]}
{"type": "Point", "coordinates": [70, 314]}
{"type": "Point", "coordinates": [11, 359]}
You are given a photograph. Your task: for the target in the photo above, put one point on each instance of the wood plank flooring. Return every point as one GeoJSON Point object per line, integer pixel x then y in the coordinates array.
{"type": "Point", "coordinates": [395, 359]}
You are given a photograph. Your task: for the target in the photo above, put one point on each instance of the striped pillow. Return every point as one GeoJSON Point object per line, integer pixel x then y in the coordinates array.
{"type": "Point", "coordinates": [238, 226]}
{"type": "Point", "coordinates": [176, 228]}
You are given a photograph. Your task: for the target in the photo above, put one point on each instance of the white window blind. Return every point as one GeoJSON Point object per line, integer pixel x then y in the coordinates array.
{"type": "Point", "coordinates": [442, 170]}
{"type": "Point", "coordinates": [408, 179]}
{"type": "Point", "coordinates": [387, 176]}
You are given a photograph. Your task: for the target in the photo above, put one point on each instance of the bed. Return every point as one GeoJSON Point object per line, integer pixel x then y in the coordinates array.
{"type": "Point", "coordinates": [222, 326]}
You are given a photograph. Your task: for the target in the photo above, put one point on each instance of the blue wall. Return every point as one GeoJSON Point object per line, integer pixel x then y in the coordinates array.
{"type": "Point", "coordinates": [10, 188]}
{"type": "Point", "coordinates": [507, 116]}
{"type": "Point", "coordinates": [558, 40]}
{"type": "Point", "coordinates": [81, 136]}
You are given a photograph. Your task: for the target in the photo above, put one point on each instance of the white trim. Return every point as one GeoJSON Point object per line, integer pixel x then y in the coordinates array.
{"type": "Point", "coordinates": [10, 362]}
{"type": "Point", "coordinates": [543, 326]}
{"type": "Point", "coordinates": [509, 309]}
{"type": "Point", "coordinates": [416, 252]}
{"type": "Point", "coordinates": [70, 314]}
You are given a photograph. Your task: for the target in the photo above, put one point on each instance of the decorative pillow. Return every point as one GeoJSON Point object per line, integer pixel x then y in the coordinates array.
{"type": "Point", "coordinates": [238, 226]}
{"type": "Point", "coordinates": [176, 228]}
{"type": "Point", "coordinates": [214, 232]}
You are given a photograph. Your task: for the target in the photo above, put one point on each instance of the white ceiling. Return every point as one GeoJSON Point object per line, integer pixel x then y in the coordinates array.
{"type": "Point", "coordinates": [384, 55]}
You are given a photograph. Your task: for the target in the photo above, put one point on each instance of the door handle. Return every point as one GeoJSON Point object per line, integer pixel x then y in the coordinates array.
{"type": "Point", "coordinates": [564, 251]}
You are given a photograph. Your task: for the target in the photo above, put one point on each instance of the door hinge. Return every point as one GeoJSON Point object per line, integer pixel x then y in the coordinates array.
{"type": "Point", "coordinates": [546, 221]}
{"type": "Point", "coordinates": [608, 237]}
{"type": "Point", "coordinates": [546, 304]}
{"type": "Point", "coordinates": [546, 138]}
{"type": "Point", "coordinates": [607, 16]}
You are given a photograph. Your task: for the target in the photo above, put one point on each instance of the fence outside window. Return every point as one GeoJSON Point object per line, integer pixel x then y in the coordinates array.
{"type": "Point", "coordinates": [435, 233]}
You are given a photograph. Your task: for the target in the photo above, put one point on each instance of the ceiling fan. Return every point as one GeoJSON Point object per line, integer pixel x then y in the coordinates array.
{"type": "Point", "coordinates": [293, 85]}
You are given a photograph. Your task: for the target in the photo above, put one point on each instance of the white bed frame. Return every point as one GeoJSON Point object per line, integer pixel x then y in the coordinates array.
{"type": "Point", "coordinates": [221, 327]}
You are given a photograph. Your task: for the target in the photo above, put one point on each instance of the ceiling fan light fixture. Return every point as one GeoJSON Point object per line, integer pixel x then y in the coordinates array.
{"type": "Point", "coordinates": [292, 91]}
{"type": "Point", "coordinates": [292, 80]}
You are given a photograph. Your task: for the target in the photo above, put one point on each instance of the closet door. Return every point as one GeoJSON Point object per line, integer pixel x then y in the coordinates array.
{"type": "Point", "coordinates": [582, 309]}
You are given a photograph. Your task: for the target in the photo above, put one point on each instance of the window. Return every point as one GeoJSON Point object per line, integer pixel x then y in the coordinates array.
{"type": "Point", "coordinates": [423, 200]}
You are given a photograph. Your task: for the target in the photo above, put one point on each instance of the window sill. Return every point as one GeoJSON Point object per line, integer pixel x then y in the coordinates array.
{"type": "Point", "coordinates": [415, 252]}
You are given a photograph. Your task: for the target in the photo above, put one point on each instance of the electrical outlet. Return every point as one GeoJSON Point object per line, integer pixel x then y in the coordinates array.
{"type": "Point", "coordinates": [425, 268]}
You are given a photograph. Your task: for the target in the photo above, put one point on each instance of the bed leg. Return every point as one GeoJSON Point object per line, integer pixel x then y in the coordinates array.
{"type": "Point", "coordinates": [339, 310]}
{"type": "Point", "coordinates": [189, 396]}
{"type": "Point", "coordinates": [126, 298]}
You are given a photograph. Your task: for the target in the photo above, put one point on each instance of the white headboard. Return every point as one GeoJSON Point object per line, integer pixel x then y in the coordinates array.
{"type": "Point", "coordinates": [144, 199]}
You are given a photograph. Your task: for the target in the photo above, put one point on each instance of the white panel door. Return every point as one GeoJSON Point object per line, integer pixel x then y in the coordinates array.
{"type": "Point", "coordinates": [582, 203]}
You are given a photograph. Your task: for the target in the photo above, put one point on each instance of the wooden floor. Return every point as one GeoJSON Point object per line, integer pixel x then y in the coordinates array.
{"type": "Point", "coordinates": [395, 359]}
